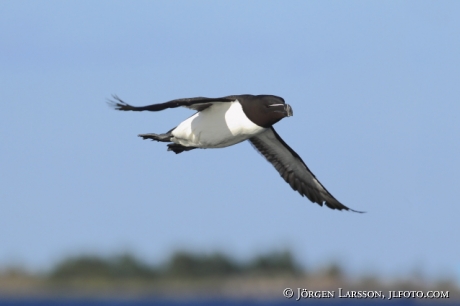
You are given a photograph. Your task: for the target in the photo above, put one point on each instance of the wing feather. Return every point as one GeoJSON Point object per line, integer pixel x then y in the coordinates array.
{"type": "Point", "coordinates": [197, 104]}
{"type": "Point", "coordinates": [293, 170]}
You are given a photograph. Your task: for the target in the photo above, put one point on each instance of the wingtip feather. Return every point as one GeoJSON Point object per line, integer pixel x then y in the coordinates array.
{"type": "Point", "coordinates": [118, 104]}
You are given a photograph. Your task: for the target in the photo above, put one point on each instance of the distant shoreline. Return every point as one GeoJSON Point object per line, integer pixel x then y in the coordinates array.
{"type": "Point", "coordinates": [272, 276]}
{"type": "Point", "coordinates": [234, 288]}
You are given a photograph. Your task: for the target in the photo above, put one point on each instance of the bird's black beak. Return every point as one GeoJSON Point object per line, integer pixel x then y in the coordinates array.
{"type": "Point", "coordinates": [285, 109]}
{"type": "Point", "coordinates": [288, 110]}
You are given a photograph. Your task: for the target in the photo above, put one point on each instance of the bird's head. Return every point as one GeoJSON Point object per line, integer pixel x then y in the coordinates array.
{"type": "Point", "coordinates": [266, 110]}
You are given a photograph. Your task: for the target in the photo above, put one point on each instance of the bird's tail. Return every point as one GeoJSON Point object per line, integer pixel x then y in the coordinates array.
{"type": "Point", "coordinates": [166, 137]}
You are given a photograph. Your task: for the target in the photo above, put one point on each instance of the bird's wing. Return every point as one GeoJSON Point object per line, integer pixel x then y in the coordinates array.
{"type": "Point", "coordinates": [198, 104]}
{"type": "Point", "coordinates": [292, 169]}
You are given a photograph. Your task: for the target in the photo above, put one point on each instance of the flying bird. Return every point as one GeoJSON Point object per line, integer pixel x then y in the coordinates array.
{"type": "Point", "coordinates": [223, 122]}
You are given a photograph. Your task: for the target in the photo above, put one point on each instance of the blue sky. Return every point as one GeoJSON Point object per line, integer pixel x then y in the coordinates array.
{"type": "Point", "coordinates": [374, 87]}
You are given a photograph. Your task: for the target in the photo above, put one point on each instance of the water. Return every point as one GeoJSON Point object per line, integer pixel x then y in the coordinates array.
{"type": "Point", "coordinates": [220, 302]}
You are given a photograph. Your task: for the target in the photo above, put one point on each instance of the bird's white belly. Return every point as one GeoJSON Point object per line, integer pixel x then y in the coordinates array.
{"type": "Point", "coordinates": [220, 125]}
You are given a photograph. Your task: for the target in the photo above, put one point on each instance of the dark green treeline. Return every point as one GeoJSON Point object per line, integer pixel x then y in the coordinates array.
{"type": "Point", "coordinates": [180, 265]}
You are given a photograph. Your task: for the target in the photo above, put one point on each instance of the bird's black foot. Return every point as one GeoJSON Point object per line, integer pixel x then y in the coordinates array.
{"type": "Point", "coordinates": [178, 148]}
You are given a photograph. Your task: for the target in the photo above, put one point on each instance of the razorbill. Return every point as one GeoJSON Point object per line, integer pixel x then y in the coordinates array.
{"type": "Point", "coordinates": [222, 122]}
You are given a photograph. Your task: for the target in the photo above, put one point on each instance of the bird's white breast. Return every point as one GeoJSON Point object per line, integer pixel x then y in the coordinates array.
{"type": "Point", "coordinates": [220, 125]}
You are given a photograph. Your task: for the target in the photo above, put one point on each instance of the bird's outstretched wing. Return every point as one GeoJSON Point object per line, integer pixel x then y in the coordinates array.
{"type": "Point", "coordinates": [198, 104]}
{"type": "Point", "coordinates": [293, 170]}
